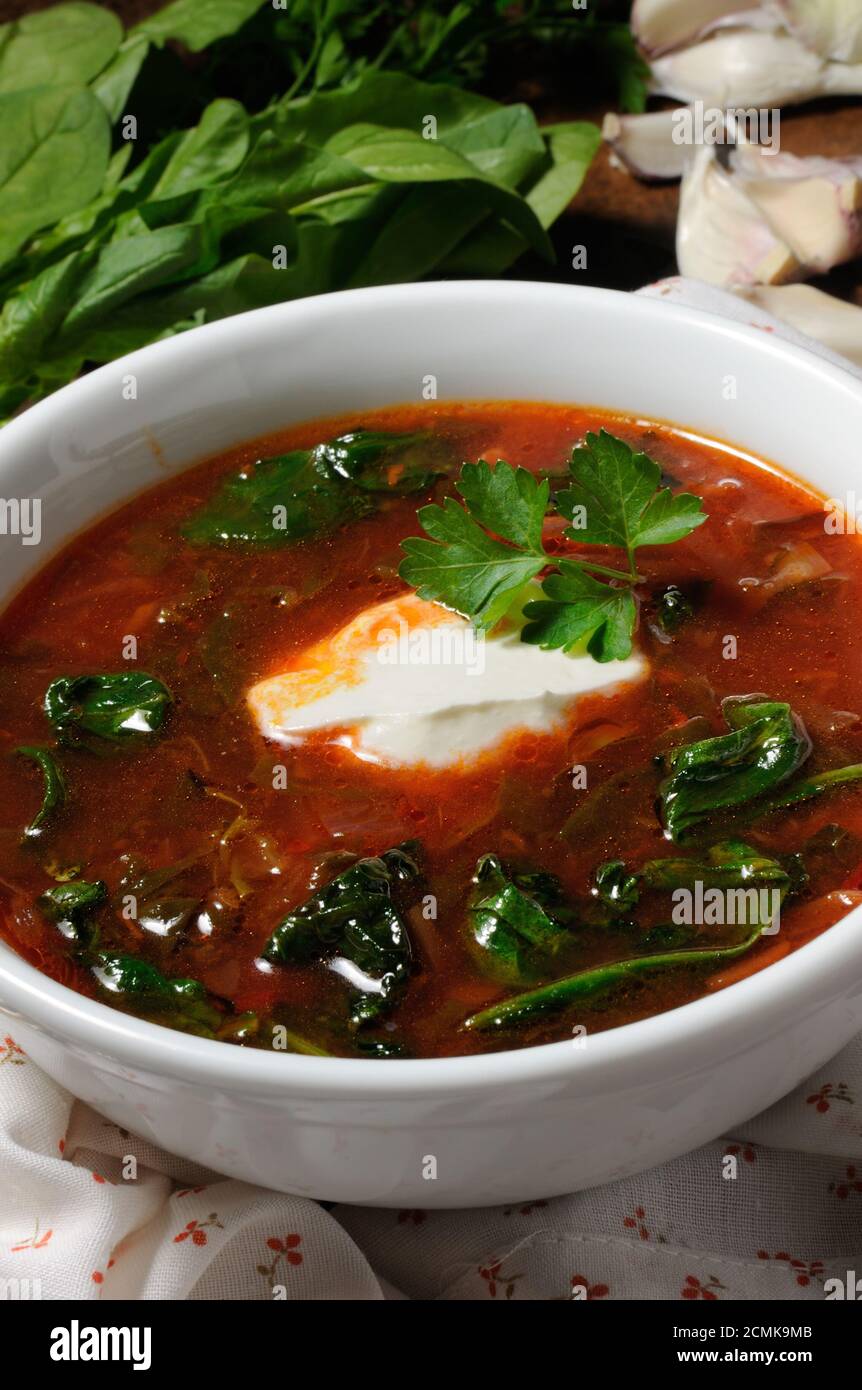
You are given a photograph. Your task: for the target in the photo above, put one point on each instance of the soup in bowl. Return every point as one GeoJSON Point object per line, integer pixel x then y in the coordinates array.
{"type": "Point", "coordinates": [445, 749]}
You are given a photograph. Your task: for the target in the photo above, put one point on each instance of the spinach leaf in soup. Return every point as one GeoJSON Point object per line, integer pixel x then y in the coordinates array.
{"type": "Point", "coordinates": [587, 985]}
{"type": "Point", "coordinates": [518, 922]}
{"type": "Point", "coordinates": [616, 889]}
{"type": "Point", "coordinates": [727, 864]}
{"type": "Point", "coordinates": [70, 906]}
{"type": "Point", "coordinates": [118, 708]}
{"type": "Point", "coordinates": [766, 744]}
{"type": "Point", "coordinates": [746, 773]}
{"type": "Point", "coordinates": [183, 1003]}
{"type": "Point", "coordinates": [55, 790]}
{"type": "Point", "coordinates": [308, 492]}
{"type": "Point", "coordinates": [358, 928]}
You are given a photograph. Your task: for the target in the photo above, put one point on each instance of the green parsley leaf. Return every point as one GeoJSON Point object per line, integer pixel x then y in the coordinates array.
{"type": "Point", "coordinates": [577, 607]}
{"type": "Point", "coordinates": [462, 566]}
{"type": "Point", "coordinates": [509, 501]}
{"type": "Point", "coordinates": [616, 500]}
{"type": "Point", "coordinates": [480, 556]}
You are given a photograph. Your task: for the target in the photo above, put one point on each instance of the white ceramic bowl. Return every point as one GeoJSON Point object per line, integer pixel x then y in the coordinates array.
{"type": "Point", "coordinates": [512, 1125]}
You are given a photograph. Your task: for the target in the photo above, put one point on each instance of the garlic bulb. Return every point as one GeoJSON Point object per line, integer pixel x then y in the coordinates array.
{"type": "Point", "coordinates": [646, 145]}
{"type": "Point", "coordinates": [831, 321]}
{"type": "Point", "coordinates": [831, 27]}
{"type": "Point", "coordinates": [662, 24]}
{"type": "Point", "coordinates": [721, 236]}
{"type": "Point", "coordinates": [749, 68]}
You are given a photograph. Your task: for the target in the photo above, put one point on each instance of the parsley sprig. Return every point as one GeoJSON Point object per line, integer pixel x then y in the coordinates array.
{"type": "Point", "coordinates": [478, 557]}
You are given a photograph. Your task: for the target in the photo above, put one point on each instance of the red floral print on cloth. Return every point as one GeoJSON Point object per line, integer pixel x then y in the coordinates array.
{"type": "Point", "coordinates": [10, 1052]}
{"type": "Point", "coordinates": [829, 1092]}
{"type": "Point", "coordinates": [583, 1290]}
{"type": "Point", "coordinates": [526, 1210]}
{"type": "Point", "coordinates": [195, 1232]}
{"type": "Point", "coordinates": [802, 1271]}
{"type": "Point", "coordinates": [286, 1251]}
{"type": "Point", "coordinates": [851, 1183]}
{"type": "Point", "coordinates": [637, 1223]}
{"type": "Point", "coordinates": [98, 1277]}
{"type": "Point", "coordinates": [693, 1288]}
{"type": "Point", "coordinates": [497, 1281]}
{"type": "Point", "coordinates": [744, 1151]}
{"type": "Point", "coordinates": [33, 1242]}
{"type": "Point", "coordinates": [413, 1216]}
{"type": "Point", "coordinates": [190, 1191]}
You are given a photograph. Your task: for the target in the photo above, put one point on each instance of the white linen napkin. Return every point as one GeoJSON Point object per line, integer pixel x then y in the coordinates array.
{"type": "Point", "coordinates": [777, 1223]}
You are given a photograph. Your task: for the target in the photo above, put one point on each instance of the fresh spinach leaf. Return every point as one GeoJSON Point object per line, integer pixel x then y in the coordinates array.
{"type": "Point", "coordinates": [494, 246]}
{"type": "Point", "coordinates": [196, 23]}
{"type": "Point", "coordinates": [68, 43]}
{"type": "Point", "coordinates": [131, 705]}
{"type": "Point", "coordinates": [114, 84]}
{"type": "Point", "coordinates": [311, 491]}
{"type": "Point", "coordinates": [54, 791]}
{"type": "Point", "coordinates": [71, 907]}
{"type": "Point", "coordinates": [355, 925]}
{"type": "Point", "coordinates": [53, 158]}
{"type": "Point", "coordinates": [518, 923]}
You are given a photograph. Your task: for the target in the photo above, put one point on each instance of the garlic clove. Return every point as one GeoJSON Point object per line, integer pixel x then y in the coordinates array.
{"type": "Point", "coordinates": [659, 25]}
{"type": "Point", "coordinates": [832, 28]}
{"type": "Point", "coordinates": [721, 236]}
{"type": "Point", "coordinates": [831, 321]}
{"type": "Point", "coordinates": [646, 144]}
{"type": "Point", "coordinates": [749, 68]}
{"type": "Point", "coordinates": [814, 205]}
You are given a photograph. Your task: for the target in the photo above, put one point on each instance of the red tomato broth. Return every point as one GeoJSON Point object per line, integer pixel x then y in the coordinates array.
{"type": "Point", "coordinates": [210, 622]}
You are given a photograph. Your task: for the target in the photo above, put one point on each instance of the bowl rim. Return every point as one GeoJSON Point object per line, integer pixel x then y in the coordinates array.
{"type": "Point", "coordinates": [758, 1005]}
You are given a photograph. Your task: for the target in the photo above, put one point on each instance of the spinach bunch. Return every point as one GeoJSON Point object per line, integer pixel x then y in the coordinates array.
{"type": "Point", "coordinates": [381, 180]}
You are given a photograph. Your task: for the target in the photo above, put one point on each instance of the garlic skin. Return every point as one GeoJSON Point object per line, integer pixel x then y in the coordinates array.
{"type": "Point", "coordinates": [721, 235]}
{"type": "Point", "coordinates": [832, 28]}
{"type": "Point", "coordinates": [645, 144]}
{"type": "Point", "coordinates": [659, 25]}
{"type": "Point", "coordinates": [751, 68]}
{"type": "Point", "coordinates": [833, 322]}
